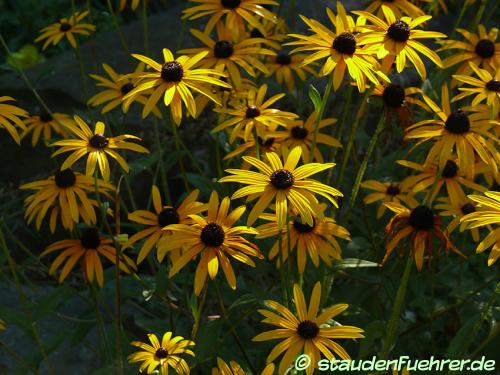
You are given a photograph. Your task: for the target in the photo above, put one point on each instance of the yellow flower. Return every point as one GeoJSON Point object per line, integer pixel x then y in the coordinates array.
{"type": "Point", "coordinates": [90, 246]}
{"type": "Point", "coordinates": [487, 213]}
{"type": "Point", "coordinates": [65, 195]}
{"type": "Point", "coordinates": [10, 117]}
{"type": "Point", "coordinates": [235, 369]}
{"type": "Point", "coordinates": [212, 237]}
{"type": "Point", "coordinates": [388, 192]}
{"type": "Point", "coordinates": [116, 88]}
{"type": "Point", "coordinates": [173, 80]}
{"type": "Point", "coordinates": [46, 123]}
{"type": "Point", "coordinates": [341, 49]}
{"type": "Point", "coordinates": [166, 354]}
{"type": "Point", "coordinates": [269, 144]}
{"type": "Point", "coordinates": [285, 66]}
{"type": "Point", "coordinates": [235, 12]}
{"type": "Point", "coordinates": [458, 210]}
{"type": "Point", "coordinates": [396, 40]}
{"type": "Point", "coordinates": [286, 183]}
{"type": "Point", "coordinates": [305, 331]}
{"type": "Point", "coordinates": [97, 146]}
{"type": "Point", "coordinates": [162, 217]}
{"type": "Point", "coordinates": [487, 87]}
{"type": "Point", "coordinates": [398, 7]}
{"type": "Point", "coordinates": [66, 27]}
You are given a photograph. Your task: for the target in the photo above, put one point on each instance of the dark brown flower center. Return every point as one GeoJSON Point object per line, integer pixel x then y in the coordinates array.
{"type": "Point", "coordinates": [485, 48]}
{"type": "Point", "coordinates": [168, 216]}
{"type": "Point", "coordinates": [98, 141]}
{"type": "Point", "coordinates": [230, 4]}
{"type": "Point", "coordinates": [126, 88]}
{"type": "Point", "coordinates": [267, 143]}
{"type": "Point", "coordinates": [172, 71]}
{"type": "Point", "coordinates": [255, 33]}
{"type": "Point", "coordinates": [457, 122]}
{"type": "Point", "coordinates": [161, 353]}
{"type": "Point", "coordinates": [252, 111]}
{"type": "Point", "coordinates": [89, 238]}
{"type": "Point", "coordinates": [299, 132]}
{"type": "Point", "coordinates": [468, 208]}
{"type": "Point", "coordinates": [302, 227]}
{"type": "Point", "coordinates": [307, 329]}
{"type": "Point", "coordinates": [282, 179]}
{"type": "Point", "coordinates": [223, 49]}
{"type": "Point", "coordinates": [345, 43]}
{"type": "Point", "coordinates": [45, 117]}
{"type": "Point", "coordinates": [64, 26]}
{"type": "Point", "coordinates": [65, 178]}
{"type": "Point", "coordinates": [450, 169]}
{"type": "Point", "coordinates": [399, 31]}
{"type": "Point", "coordinates": [493, 85]}
{"type": "Point", "coordinates": [392, 190]}
{"type": "Point", "coordinates": [283, 58]}
{"type": "Point", "coordinates": [422, 218]}
{"type": "Point", "coordinates": [212, 235]}
{"type": "Point", "coordinates": [394, 96]}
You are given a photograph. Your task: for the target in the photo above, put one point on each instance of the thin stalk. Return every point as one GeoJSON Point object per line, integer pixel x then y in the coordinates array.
{"type": "Point", "coordinates": [362, 169]}
{"type": "Point", "coordinates": [479, 14]}
{"type": "Point", "coordinates": [100, 321]}
{"type": "Point", "coordinates": [256, 139]}
{"type": "Point", "coordinates": [319, 116]}
{"type": "Point", "coordinates": [392, 328]}
{"type": "Point", "coordinates": [282, 269]}
{"type": "Point", "coordinates": [199, 311]}
{"type": "Point", "coordinates": [118, 319]}
{"type": "Point", "coordinates": [117, 27]}
{"type": "Point", "coordinates": [178, 149]}
{"type": "Point", "coordinates": [18, 358]}
{"type": "Point", "coordinates": [163, 173]}
{"type": "Point", "coordinates": [288, 246]}
{"type": "Point", "coordinates": [145, 25]}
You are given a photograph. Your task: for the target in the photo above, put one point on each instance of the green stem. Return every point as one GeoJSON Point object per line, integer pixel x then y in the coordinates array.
{"type": "Point", "coordinates": [163, 173]}
{"type": "Point", "coordinates": [117, 27]}
{"type": "Point", "coordinates": [18, 358]}
{"type": "Point", "coordinates": [199, 311]}
{"type": "Point", "coordinates": [100, 321]}
{"type": "Point", "coordinates": [145, 25]}
{"type": "Point", "coordinates": [256, 139]}
{"type": "Point", "coordinates": [178, 149]}
{"type": "Point", "coordinates": [284, 284]}
{"type": "Point", "coordinates": [319, 116]}
{"type": "Point", "coordinates": [118, 319]}
{"type": "Point", "coordinates": [396, 310]}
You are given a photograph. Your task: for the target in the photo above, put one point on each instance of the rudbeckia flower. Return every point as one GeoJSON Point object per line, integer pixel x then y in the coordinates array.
{"type": "Point", "coordinates": [45, 123]}
{"type": "Point", "coordinates": [399, 192]}
{"type": "Point", "coordinates": [165, 354]}
{"type": "Point", "coordinates": [396, 40]}
{"type": "Point", "coordinates": [285, 67]}
{"type": "Point", "coordinates": [10, 117]}
{"type": "Point", "coordinates": [457, 210]}
{"type": "Point", "coordinates": [161, 217]}
{"type": "Point", "coordinates": [287, 184]}
{"type": "Point", "coordinates": [305, 331]}
{"type": "Point", "coordinates": [173, 80]}
{"type": "Point", "coordinates": [487, 87]}
{"type": "Point", "coordinates": [459, 132]}
{"type": "Point", "coordinates": [90, 246]}
{"type": "Point", "coordinates": [117, 87]}
{"type": "Point", "coordinates": [213, 238]}
{"type": "Point", "coordinates": [254, 111]}
{"type": "Point", "coordinates": [235, 12]}
{"type": "Point", "coordinates": [64, 195]}
{"type": "Point", "coordinates": [340, 47]}
{"type": "Point", "coordinates": [269, 144]}
{"type": "Point", "coordinates": [481, 49]}
{"type": "Point", "coordinates": [487, 213]}
{"type": "Point", "coordinates": [66, 27]}
{"type": "Point", "coordinates": [97, 146]}
{"type": "Point", "coordinates": [228, 54]}
{"type": "Point", "coordinates": [421, 225]}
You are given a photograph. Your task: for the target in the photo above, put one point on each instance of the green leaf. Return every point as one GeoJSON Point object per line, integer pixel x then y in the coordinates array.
{"type": "Point", "coordinates": [462, 340]}
{"type": "Point", "coordinates": [315, 97]}
{"type": "Point", "coordinates": [49, 304]}
{"type": "Point", "coordinates": [356, 263]}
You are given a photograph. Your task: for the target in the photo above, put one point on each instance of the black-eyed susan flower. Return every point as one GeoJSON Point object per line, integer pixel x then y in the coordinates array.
{"type": "Point", "coordinates": [116, 87]}
{"type": "Point", "coordinates": [11, 117]}
{"type": "Point", "coordinates": [90, 247]}
{"type": "Point", "coordinates": [214, 238]}
{"type": "Point", "coordinates": [166, 354]}
{"type": "Point", "coordinates": [389, 191]}
{"type": "Point", "coordinates": [284, 183]}
{"type": "Point", "coordinates": [460, 132]}
{"type": "Point", "coordinates": [451, 176]}
{"type": "Point", "coordinates": [65, 28]}
{"type": "Point", "coordinates": [269, 144]}
{"type": "Point", "coordinates": [228, 54]}
{"type": "Point", "coordinates": [174, 80]}
{"type": "Point", "coordinates": [162, 216]}
{"type": "Point", "coordinates": [487, 87]}
{"type": "Point", "coordinates": [481, 49]}
{"type": "Point", "coordinates": [301, 133]}
{"type": "Point", "coordinates": [341, 49]}
{"type": "Point", "coordinates": [97, 146]}
{"type": "Point", "coordinates": [285, 66]}
{"type": "Point", "coordinates": [133, 4]}
{"type": "Point", "coordinates": [397, 40]}
{"type": "Point", "coordinates": [318, 241]}
{"type": "Point", "coordinates": [305, 331]}
{"type": "Point", "coordinates": [65, 196]}
{"type": "Point", "coordinates": [400, 8]}
{"type": "Point", "coordinates": [46, 123]}
{"type": "Point", "coordinates": [457, 210]}
{"type": "Point", "coordinates": [254, 111]}
{"type": "Point", "coordinates": [235, 13]}
{"type": "Point", "coordinates": [421, 225]}
{"type": "Point", "coordinates": [487, 213]}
